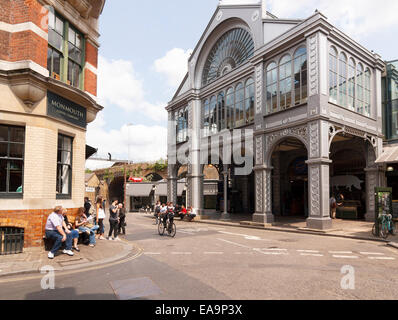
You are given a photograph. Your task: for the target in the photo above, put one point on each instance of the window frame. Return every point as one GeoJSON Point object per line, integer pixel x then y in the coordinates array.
{"type": "Point", "coordinates": [64, 196]}
{"type": "Point", "coordinates": [8, 159]}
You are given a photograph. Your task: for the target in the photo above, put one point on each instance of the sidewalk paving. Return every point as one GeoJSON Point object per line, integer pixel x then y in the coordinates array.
{"type": "Point", "coordinates": [341, 228]}
{"type": "Point", "coordinates": [33, 259]}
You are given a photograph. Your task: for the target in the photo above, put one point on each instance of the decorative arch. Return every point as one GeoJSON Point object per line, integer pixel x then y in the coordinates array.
{"type": "Point", "coordinates": [198, 64]}
{"type": "Point", "coordinates": [233, 49]}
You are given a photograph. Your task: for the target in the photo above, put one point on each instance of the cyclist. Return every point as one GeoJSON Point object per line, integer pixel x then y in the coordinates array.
{"type": "Point", "coordinates": [170, 214]}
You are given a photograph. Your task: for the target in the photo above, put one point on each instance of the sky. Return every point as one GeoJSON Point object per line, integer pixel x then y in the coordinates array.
{"type": "Point", "coordinates": [143, 57]}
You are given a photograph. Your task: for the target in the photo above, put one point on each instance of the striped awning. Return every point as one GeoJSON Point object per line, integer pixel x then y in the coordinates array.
{"type": "Point", "coordinates": [389, 155]}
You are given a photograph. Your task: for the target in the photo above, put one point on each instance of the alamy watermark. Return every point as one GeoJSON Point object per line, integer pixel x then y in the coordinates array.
{"type": "Point", "coordinates": [225, 147]}
{"type": "Point", "coordinates": [48, 280]}
{"type": "Point", "coordinates": [348, 280]}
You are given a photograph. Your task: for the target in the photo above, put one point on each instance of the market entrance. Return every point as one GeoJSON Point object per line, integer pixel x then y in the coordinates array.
{"type": "Point", "coordinates": [290, 179]}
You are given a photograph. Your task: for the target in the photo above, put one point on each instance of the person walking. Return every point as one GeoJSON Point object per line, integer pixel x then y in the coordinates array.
{"type": "Point", "coordinates": [100, 217]}
{"type": "Point", "coordinates": [113, 220]}
{"type": "Point", "coordinates": [157, 212]}
{"type": "Point", "coordinates": [333, 207]}
{"type": "Point", "coordinates": [122, 219]}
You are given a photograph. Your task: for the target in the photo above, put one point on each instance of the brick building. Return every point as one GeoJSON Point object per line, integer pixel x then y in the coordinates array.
{"type": "Point", "coordinates": [48, 88]}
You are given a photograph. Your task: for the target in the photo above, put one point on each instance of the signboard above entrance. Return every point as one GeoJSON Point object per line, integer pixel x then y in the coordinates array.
{"type": "Point", "coordinates": [66, 110]}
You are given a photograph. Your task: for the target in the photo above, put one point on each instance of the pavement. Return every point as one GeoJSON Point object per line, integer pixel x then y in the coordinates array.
{"type": "Point", "coordinates": [351, 229]}
{"type": "Point", "coordinates": [32, 260]}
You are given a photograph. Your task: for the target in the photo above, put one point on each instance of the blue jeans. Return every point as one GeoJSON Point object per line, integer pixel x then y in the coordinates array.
{"type": "Point", "coordinates": [53, 234]}
{"type": "Point", "coordinates": [92, 233]}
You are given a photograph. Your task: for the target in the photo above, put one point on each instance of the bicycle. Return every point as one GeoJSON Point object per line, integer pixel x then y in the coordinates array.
{"type": "Point", "coordinates": [168, 226]}
{"type": "Point", "coordinates": [386, 226]}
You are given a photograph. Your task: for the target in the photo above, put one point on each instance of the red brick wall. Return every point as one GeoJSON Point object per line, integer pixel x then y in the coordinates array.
{"type": "Point", "coordinates": [28, 11]}
{"type": "Point", "coordinates": [91, 54]}
{"type": "Point", "coordinates": [33, 221]}
{"type": "Point", "coordinates": [5, 7]}
{"type": "Point", "coordinates": [4, 45]}
{"type": "Point", "coordinates": [27, 45]}
{"type": "Point", "coordinates": [90, 82]}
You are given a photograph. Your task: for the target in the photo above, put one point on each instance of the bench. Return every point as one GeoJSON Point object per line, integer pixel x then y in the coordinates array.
{"type": "Point", "coordinates": [49, 243]}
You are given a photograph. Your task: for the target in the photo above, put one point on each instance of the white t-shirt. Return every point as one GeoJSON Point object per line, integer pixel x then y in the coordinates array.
{"type": "Point", "coordinates": [101, 213]}
{"type": "Point", "coordinates": [163, 209]}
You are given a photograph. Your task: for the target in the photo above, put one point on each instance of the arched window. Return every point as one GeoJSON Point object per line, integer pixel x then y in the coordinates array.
{"type": "Point", "coordinates": [213, 116]}
{"type": "Point", "coordinates": [249, 100]}
{"type": "Point", "coordinates": [359, 92]}
{"type": "Point", "coordinates": [351, 84]}
{"type": "Point", "coordinates": [229, 105]}
{"type": "Point", "coordinates": [221, 111]}
{"type": "Point", "coordinates": [300, 76]}
{"type": "Point", "coordinates": [206, 117]}
{"type": "Point", "coordinates": [343, 80]}
{"type": "Point", "coordinates": [333, 75]}
{"type": "Point", "coordinates": [239, 105]}
{"type": "Point", "coordinates": [285, 82]}
{"type": "Point", "coordinates": [272, 87]}
{"type": "Point", "coordinates": [233, 49]}
{"type": "Point", "coordinates": [367, 92]}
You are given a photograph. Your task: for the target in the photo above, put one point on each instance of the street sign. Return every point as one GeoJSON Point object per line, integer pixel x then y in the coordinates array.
{"type": "Point", "coordinates": [136, 179]}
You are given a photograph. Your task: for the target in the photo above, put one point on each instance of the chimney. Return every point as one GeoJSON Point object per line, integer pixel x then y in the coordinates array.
{"type": "Point", "coordinates": [264, 9]}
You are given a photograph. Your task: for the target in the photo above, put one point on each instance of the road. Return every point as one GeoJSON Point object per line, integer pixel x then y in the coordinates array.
{"type": "Point", "coordinates": [211, 262]}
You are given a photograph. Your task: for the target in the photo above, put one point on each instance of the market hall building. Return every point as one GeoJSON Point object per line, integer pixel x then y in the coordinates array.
{"type": "Point", "coordinates": [48, 88]}
{"type": "Point", "coordinates": [312, 96]}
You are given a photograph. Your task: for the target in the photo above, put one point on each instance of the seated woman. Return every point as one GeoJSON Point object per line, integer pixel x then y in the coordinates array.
{"type": "Point", "coordinates": [74, 233]}
{"type": "Point", "coordinates": [183, 212]}
{"type": "Point", "coordinates": [84, 225]}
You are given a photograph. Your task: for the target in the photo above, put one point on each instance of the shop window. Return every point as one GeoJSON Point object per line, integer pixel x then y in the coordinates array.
{"type": "Point", "coordinates": [182, 125]}
{"type": "Point", "coordinates": [285, 83]}
{"type": "Point", "coordinates": [342, 79]}
{"type": "Point", "coordinates": [12, 148]}
{"type": "Point", "coordinates": [239, 105]}
{"type": "Point", "coordinates": [64, 167]}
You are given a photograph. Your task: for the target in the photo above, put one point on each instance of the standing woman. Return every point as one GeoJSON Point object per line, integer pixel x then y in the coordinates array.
{"type": "Point", "coordinates": [100, 218]}
{"type": "Point", "coordinates": [113, 220]}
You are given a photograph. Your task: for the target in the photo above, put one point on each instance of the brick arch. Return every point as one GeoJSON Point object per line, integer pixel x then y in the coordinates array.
{"type": "Point", "coordinates": [16, 223]}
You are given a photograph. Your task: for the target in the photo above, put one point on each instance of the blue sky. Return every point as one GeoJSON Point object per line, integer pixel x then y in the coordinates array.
{"type": "Point", "coordinates": [144, 51]}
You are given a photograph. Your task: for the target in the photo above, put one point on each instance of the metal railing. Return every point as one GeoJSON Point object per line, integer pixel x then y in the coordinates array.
{"type": "Point", "coordinates": [11, 240]}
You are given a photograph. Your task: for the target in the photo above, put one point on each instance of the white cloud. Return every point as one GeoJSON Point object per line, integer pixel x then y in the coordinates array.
{"type": "Point", "coordinates": [147, 143]}
{"type": "Point", "coordinates": [174, 65]}
{"type": "Point", "coordinates": [357, 18]}
{"type": "Point", "coordinates": [119, 85]}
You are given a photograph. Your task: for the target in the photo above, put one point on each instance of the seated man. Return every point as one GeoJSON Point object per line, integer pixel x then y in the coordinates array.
{"type": "Point", "coordinates": [191, 213]}
{"type": "Point", "coordinates": [54, 230]}
{"type": "Point", "coordinates": [85, 224]}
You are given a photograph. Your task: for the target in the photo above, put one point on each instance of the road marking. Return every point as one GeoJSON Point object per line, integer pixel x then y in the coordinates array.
{"type": "Point", "coordinates": [234, 243]}
{"type": "Point", "coordinates": [247, 237]}
{"type": "Point", "coordinates": [311, 254]}
{"type": "Point", "coordinates": [271, 253]}
{"type": "Point", "coordinates": [152, 253]}
{"type": "Point", "coordinates": [186, 232]}
{"type": "Point", "coordinates": [345, 257]}
{"type": "Point", "coordinates": [213, 252]}
{"type": "Point", "coordinates": [266, 249]}
{"type": "Point", "coordinates": [308, 251]}
{"type": "Point", "coordinates": [372, 253]}
{"type": "Point", "coordinates": [182, 253]}
{"type": "Point", "coordinates": [341, 252]}
{"type": "Point", "coordinates": [381, 258]}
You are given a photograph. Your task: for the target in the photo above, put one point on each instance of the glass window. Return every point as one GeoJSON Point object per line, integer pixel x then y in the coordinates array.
{"type": "Point", "coordinates": [285, 83]}
{"type": "Point", "coordinates": [351, 84]}
{"type": "Point", "coordinates": [230, 108]}
{"type": "Point", "coordinates": [64, 166]}
{"type": "Point", "coordinates": [343, 80]}
{"type": "Point", "coordinates": [12, 148]}
{"type": "Point", "coordinates": [206, 121]}
{"type": "Point", "coordinates": [359, 92]}
{"type": "Point", "coordinates": [367, 95]}
{"type": "Point", "coordinates": [300, 76]}
{"type": "Point", "coordinates": [333, 75]}
{"type": "Point", "coordinates": [249, 101]}
{"type": "Point", "coordinates": [221, 112]}
{"type": "Point", "coordinates": [239, 105]}
{"type": "Point", "coordinates": [272, 90]}
{"type": "Point", "coordinates": [182, 125]}
{"type": "Point", "coordinates": [213, 116]}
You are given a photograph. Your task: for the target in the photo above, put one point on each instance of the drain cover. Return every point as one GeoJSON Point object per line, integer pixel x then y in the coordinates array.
{"type": "Point", "coordinates": [134, 288]}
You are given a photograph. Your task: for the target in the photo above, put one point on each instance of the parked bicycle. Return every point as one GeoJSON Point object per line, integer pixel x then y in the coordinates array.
{"type": "Point", "coordinates": [166, 223]}
{"type": "Point", "coordinates": [386, 226]}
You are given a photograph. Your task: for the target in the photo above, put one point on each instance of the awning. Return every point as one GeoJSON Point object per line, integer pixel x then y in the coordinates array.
{"type": "Point", "coordinates": [161, 189]}
{"type": "Point", "coordinates": [90, 151]}
{"type": "Point", "coordinates": [139, 189]}
{"type": "Point", "coordinates": [389, 155]}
